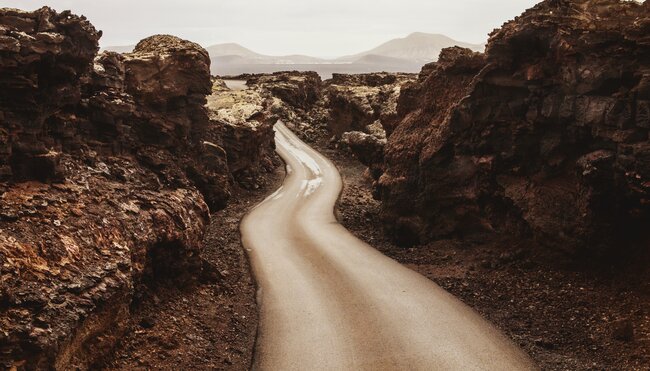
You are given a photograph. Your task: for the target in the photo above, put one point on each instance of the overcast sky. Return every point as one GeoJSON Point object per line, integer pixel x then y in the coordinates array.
{"type": "Point", "coordinates": [324, 28]}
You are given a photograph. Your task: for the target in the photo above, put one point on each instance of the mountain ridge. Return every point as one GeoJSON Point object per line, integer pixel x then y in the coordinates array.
{"type": "Point", "coordinates": [417, 46]}
{"type": "Point", "coordinates": [405, 54]}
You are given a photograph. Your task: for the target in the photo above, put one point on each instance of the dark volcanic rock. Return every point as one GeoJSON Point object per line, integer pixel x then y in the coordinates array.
{"type": "Point", "coordinates": [356, 101]}
{"type": "Point", "coordinates": [106, 166]}
{"type": "Point", "coordinates": [245, 125]}
{"type": "Point", "coordinates": [546, 134]}
{"type": "Point", "coordinates": [300, 90]}
{"type": "Point", "coordinates": [169, 79]}
{"type": "Point", "coordinates": [43, 54]}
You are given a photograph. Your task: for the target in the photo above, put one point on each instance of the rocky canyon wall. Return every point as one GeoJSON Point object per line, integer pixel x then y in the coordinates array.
{"type": "Point", "coordinates": [546, 134]}
{"type": "Point", "coordinates": [109, 168]}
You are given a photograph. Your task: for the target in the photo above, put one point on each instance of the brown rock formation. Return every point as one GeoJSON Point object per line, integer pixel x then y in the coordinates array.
{"type": "Point", "coordinates": [245, 126]}
{"type": "Point", "coordinates": [106, 167]}
{"type": "Point", "coordinates": [356, 101]}
{"type": "Point", "coordinates": [159, 78]}
{"type": "Point", "coordinates": [75, 252]}
{"type": "Point", "coordinates": [300, 90]}
{"type": "Point", "coordinates": [36, 85]}
{"type": "Point", "coordinates": [294, 97]}
{"type": "Point", "coordinates": [169, 78]}
{"type": "Point", "coordinates": [545, 134]}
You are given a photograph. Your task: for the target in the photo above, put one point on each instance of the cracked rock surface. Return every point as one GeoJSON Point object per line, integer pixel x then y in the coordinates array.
{"type": "Point", "coordinates": [546, 134]}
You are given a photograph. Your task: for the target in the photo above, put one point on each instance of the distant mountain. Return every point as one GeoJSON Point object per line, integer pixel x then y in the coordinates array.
{"type": "Point", "coordinates": [382, 59]}
{"type": "Point", "coordinates": [406, 54]}
{"type": "Point", "coordinates": [120, 49]}
{"type": "Point", "coordinates": [417, 47]}
{"type": "Point", "coordinates": [232, 49]}
{"type": "Point", "coordinates": [235, 53]}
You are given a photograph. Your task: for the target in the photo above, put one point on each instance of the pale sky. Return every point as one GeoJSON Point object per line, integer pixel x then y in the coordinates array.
{"type": "Point", "coordinates": [322, 28]}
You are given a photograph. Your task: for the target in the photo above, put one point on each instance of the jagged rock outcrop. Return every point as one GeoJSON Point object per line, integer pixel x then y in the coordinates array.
{"type": "Point", "coordinates": [108, 166]}
{"type": "Point", "coordinates": [245, 126]}
{"type": "Point", "coordinates": [170, 78]}
{"type": "Point", "coordinates": [300, 90]}
{"type": "Point", "coordinates": [36, 85]}
{"type": "Point", "coordinates": [356, 101]}
{"type": "Point", "coordinates": [368, 147]}
{"type": "Point", "coordinates": [294, 97]}
{"type": "Point", "coordinates": [546, 134]}
{"type": "Point", "coordinates": [159, 78]}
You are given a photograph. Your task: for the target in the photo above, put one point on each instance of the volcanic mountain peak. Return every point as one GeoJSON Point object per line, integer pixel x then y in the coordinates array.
{"type": "Point", "coordinates": [231, 49]}
{"type": "Point", "coordinates": [418, 46]}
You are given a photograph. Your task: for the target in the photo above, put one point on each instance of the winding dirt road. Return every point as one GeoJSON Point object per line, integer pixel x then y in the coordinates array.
{"type": "Point", "coordinates": [328, 301]}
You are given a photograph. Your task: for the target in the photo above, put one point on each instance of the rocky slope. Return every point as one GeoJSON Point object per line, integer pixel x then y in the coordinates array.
{"type": "Point", "coordinates": [109, 167]}
{"type": "Point", "coordinates": [544, 135]}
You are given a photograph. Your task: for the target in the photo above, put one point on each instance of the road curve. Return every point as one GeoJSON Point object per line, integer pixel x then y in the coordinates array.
{"type": "Point", "coordinates": [328, 301]}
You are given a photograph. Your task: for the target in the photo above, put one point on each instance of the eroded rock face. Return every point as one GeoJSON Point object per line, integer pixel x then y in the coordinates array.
{"type": "Point", "coordinates": [43, 54]}
{"type": "Point", "coordinates": [168, 75]}
{"type": "Point", "coordinates": [169, 78]}
{"type": "Point", "coordinates": [546, 134]}
{"type": "Point", "coordinates": [300, 90]}
{"type": "Point", "coordinates": [356, 101]}
{"type": "Point", "coordinates": [245, 125]}
{"type": "Point", "coordinates": [75, 252]}
{"type": "Point", "coordinates": [108, 164]}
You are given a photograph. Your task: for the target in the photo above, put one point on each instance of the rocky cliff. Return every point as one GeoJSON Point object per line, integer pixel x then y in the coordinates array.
{"type": "Point", "coordinates": [544, 135]}
{"type": "Point", "coordinates": [109, 165]}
